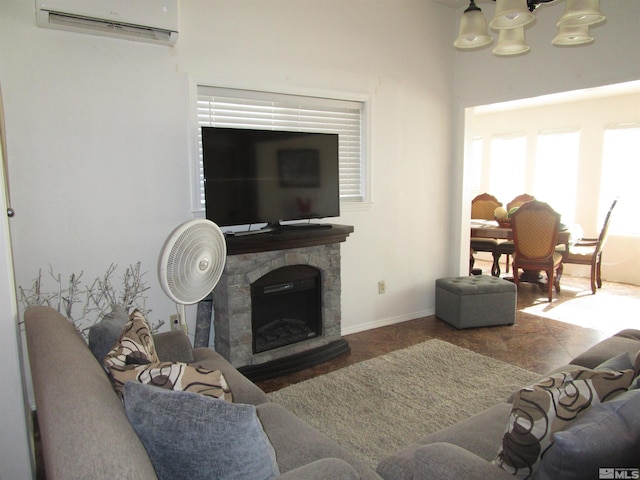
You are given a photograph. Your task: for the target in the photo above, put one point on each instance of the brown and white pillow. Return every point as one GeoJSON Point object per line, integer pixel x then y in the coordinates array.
{"type": "Point", "coordinates": [134, 346]}
{"type": "Point", "coordinates": [550, 406]}
{"type": "Point", "coordinates": [134, 358]}
{"type": "Point", "coordinates": [174, 376]}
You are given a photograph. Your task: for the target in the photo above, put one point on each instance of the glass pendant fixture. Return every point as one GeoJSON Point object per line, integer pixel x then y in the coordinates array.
{"type": "Point", "coordinates": [581, 12]}
{"type": "Point", "coordinates": [511, 14]}
{"type": "Point", "coordinates": [511, 42]}
{"type": "Point", "coordinates": [473, 29]}
{"type": "Point", "coordinates": [571, 35]}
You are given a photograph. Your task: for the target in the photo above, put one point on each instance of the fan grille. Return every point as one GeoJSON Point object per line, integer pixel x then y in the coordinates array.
{"type": "Point", "coordinates": [192, 261]}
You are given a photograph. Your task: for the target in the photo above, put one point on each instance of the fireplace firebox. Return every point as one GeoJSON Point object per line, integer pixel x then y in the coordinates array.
{"type": "Point", "coordinates": [286, 307]}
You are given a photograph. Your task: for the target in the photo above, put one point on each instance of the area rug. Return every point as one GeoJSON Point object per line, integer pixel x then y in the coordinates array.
{"type": "Point", "coordinates": [378, 406]}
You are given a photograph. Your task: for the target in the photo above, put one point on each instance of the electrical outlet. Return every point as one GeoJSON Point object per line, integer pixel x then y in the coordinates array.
{"type": "Point", "coordinates": [174, 320]}
{"type": "Point", "coordinates": [382, 287]}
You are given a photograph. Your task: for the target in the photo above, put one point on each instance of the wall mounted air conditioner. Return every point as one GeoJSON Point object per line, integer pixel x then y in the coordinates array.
{"type": "Point", "coordinates": [154, 21]}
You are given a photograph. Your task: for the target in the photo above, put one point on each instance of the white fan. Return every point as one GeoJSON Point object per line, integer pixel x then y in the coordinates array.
{"type": "Point", "coordinates": [191, 263]}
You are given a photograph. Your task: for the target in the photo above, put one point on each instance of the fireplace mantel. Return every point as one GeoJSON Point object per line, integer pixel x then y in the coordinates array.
{"type": "Point", "coordinates": [287, 238]}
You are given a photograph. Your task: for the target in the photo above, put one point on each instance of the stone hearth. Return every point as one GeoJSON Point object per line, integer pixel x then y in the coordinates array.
{"type": "Point", "coordinates": [232, 302]}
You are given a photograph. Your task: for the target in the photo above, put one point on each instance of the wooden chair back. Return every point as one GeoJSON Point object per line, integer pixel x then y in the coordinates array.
{"type": "Point", "coordinates": [483, 206]}
{"type": "Point", "coordinates": [535, 233]}
{"type": "Point", "coordinates": [519, 200]}
{"type": "Point", "coordinates": [604, 233]}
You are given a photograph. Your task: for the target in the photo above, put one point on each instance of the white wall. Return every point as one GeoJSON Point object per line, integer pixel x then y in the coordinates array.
{"type": "Point", "coordinates": [482, 78]}
{"type": "Point", "coordinates": [100, 135]}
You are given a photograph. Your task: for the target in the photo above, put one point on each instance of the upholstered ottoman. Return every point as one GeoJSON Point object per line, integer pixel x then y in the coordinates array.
{"type": "Point", "coordinates": [475, 301]}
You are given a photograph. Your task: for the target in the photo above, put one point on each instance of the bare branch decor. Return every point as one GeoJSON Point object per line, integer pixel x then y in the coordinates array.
{"type": "Point", "coordinates": [86, 306]}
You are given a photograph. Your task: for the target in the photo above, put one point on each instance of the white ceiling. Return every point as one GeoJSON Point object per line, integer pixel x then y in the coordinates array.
{"type": "Point", "coordinates": [453, 3]}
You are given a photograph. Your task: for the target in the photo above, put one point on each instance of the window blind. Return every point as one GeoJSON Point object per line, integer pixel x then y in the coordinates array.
{"type": "Point", "coordinates": [232, 108]}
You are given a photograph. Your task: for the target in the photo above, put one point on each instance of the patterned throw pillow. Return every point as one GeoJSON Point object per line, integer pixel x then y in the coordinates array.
{"type": "Point", "coordinates": [549, 406]}
{"type": "Point", "coordinates": [134, 358]}
{"type": "Point", "coordinates": [134, 345]}
{"type": "Point", "coordinates": [174, 376]}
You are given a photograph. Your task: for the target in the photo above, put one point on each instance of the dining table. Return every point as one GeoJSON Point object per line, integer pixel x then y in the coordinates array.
{"type": "Point", "coordinates": [491, 229]}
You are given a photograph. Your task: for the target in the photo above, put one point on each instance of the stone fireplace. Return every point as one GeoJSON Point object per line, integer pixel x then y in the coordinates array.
{"type": "Point", "coordinates": [292, 288]}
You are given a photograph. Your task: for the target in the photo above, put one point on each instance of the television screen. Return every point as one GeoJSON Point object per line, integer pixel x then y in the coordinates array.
{"type": "Point", "coordinates": [265, 176]}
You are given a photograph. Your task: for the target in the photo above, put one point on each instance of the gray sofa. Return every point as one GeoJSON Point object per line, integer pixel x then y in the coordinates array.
{"type": "Point", "coordinates": [85, 432]}
{"type": "Point", "coordinates": [466, 450]}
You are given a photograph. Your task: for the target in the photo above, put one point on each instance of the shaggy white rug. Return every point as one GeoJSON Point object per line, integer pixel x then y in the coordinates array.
{"type": "Point", "coordinates": [380, 405]}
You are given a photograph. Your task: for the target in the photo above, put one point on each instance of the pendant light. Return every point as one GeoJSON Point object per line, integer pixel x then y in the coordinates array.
{"type": "Point", "coordinates": [511, 14]}
{"type": "Point", "coordinates": [581, 12]}
{"type": "Point", "coordinates": [473, 29]}
{"type": "Point", "coordinates": [511, 42]}
{"type": "Point", "coordinates": [571, 35]}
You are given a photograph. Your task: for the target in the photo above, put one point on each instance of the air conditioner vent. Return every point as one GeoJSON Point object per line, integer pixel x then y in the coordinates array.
{"type": "Point", "coordinates": [154, 21]}
{"type": "Point", "coordinates": [110, 28]}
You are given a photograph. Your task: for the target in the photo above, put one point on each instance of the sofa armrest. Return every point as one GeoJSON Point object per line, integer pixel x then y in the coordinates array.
{"type": "Point", "coordinates": [332, 468]}
{"type": "Point", "coordinates": [173, 346]}
{"type": "Point", "coordinates": [450, 462]}
{"type": "Point", "coordinates": [439, 461]}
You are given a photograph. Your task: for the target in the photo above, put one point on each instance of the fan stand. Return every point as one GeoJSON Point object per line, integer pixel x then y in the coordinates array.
{"type": "Point", "coordinates": [182, 317]}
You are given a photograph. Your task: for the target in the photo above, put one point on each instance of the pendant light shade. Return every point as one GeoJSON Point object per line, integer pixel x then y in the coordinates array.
{"type": "Point", "coordinates": [511, 14]}
{"type": "Point", "coordinates": [572, 35]}
{"type": "Point", "coordinates": [511, 42]}
{"type": "Point", "coordinates": [473, 29]}
{"type": "Point", "coordinates": [581, 12]}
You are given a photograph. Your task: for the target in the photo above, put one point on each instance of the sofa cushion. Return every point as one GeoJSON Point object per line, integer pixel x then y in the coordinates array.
{"type": "Point", "coordinates": [192, 436]}
{"type": "Point", "coordinates": [104, 334]}
{"type": "Point", "coordinates": [550, 406]}
{"type": "Point", "coordinates": [607, 435]}
{"type": "Point", "coordinates": [296, 443]}
{"type": "Point", "coordinates": [625, 341]}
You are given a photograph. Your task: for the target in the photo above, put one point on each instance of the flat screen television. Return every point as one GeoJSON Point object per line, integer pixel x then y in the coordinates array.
{"type": "Point", "coordinates": [267, 177]}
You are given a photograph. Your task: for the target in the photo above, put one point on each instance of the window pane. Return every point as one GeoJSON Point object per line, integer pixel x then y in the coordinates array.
{"type": "Point", "coordinates": [620, 173]}
{"type": "Point", "coordinates": [557, 158]}
{"type": "Point", "coordinates": [508, 158]}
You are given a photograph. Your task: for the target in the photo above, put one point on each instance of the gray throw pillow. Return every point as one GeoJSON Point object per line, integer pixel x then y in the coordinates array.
{"type": "Point", "coordinates": [191, 436]}
{"type": "Point", "coordinates": [622, 361]}
{"type": "Point", "coordinates": [104, 334]}
{"type": "Point", "coordinates": [608, 435]}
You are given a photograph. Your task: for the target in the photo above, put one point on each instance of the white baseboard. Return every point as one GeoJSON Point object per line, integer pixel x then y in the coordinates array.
{"type": "Point", "coordinates": [383, 322]}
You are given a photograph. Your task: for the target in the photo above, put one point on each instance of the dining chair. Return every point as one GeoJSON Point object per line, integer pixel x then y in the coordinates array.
{"type": "Point", "coordinates": [506, 248]}
{"type": "Point", "coordinates": [588, 251]}
{"type": "Point", "coordinates": [535, 233]}
{"type": "Point", "coordinates": [483, 207]}
{"type": "Point", "coordinates": [519, 200]}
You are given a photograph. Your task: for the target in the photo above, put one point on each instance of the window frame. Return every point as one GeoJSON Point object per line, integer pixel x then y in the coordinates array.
{"type": "Point", "coordinates": [323, 99]}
